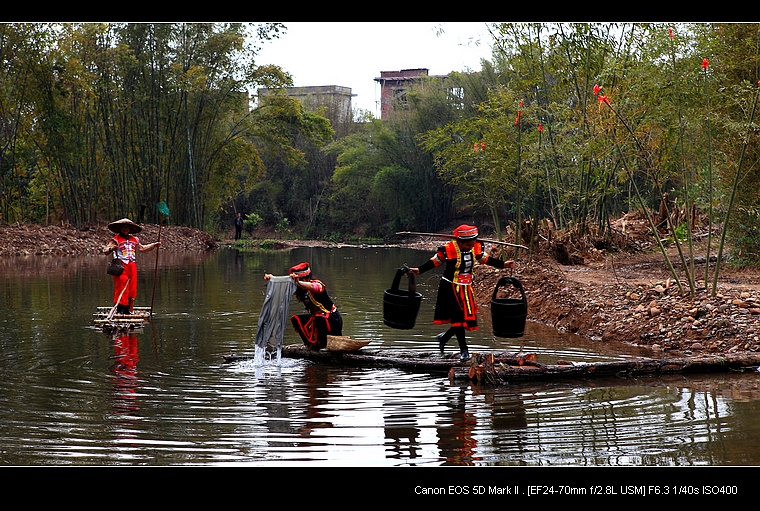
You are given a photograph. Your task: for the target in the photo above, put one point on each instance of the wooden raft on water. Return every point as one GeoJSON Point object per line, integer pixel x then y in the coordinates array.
{"type": "Point", "coordinates": [139, 316]}
{"type": "Point", "coordinates": [504, 368]}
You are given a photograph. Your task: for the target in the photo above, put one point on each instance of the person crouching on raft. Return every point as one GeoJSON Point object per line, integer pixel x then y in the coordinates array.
{"type": "Point", "coordinates": [323, 318]}
{"type": "Point", "coordinates": [455, 303]}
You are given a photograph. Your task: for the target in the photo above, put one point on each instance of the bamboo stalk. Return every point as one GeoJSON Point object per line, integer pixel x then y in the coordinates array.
{"type": "Point", "coordinates": [155, 270]}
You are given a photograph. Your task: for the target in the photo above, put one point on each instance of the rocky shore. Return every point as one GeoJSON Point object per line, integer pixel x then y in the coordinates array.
{"type": "Point", "coordinates": [640, 307]}
{"type": "Point", "coordinates": [55, 240]}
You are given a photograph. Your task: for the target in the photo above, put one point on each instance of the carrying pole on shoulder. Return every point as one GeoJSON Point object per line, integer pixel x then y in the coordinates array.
{"type": "Point", "coordinates": [451, 237]}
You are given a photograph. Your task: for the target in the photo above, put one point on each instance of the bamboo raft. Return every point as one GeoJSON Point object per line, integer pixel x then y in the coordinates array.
{"type": "Point", "coordinates": [139, 316]}
{"type": "Point", "coordinates": [504, 368]}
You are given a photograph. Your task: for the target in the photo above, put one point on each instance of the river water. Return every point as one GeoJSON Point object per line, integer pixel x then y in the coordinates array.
{"type": "Point", "coordinates": [73, 395]}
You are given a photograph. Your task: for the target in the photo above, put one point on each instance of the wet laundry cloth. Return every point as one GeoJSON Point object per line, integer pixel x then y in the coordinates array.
{"type": "Point", "coordinates": [275, 313]}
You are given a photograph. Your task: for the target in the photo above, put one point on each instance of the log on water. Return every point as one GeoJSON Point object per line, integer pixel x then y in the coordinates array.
{"type": "Point", "coordinates": [427, 362]}
{"type": "Point", "coordinates": [401, 359]}
{"type": "Point", "coordinates": [499, 368]}
{"type": "Point", "coordinates": [411, 360]}
{"type": "Point", "coordinates": [481, 371]}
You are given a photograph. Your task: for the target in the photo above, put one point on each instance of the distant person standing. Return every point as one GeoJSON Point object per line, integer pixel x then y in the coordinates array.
{"type": "Point", "coordinates": [238, 226]}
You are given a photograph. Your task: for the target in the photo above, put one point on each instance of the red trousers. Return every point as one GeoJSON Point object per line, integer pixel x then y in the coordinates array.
{"type": "Point", "coordinates": [130, 272]}
{"type": "Point", "coordinates": [314, 328]}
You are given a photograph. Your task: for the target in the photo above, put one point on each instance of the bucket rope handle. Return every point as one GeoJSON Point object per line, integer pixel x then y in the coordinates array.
{"type": "Point", "coordinates": [515, 282]}
{"type": "Point", "coordinates": [397, 279]}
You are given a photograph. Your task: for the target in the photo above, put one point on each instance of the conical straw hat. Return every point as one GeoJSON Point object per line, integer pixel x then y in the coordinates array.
{"type": "Point", "coordinates": [118, 224]}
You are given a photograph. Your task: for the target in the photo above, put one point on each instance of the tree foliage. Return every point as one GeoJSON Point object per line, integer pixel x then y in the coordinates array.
{"type": "Point", "coordinates": [122, 116]}
{"type": "Point", "coordinates": [571, 122]}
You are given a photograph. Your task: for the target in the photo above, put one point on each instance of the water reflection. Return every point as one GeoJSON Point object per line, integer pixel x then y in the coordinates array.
{"type": "Point", "coordinates": [456, 433]}
{"type": "Point", "coordinates": [124, 370]}
{"type": "Point", "coordinates": [161, 395]}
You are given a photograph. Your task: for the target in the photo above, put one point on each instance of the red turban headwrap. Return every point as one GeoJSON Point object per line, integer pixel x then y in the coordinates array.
{"type": "Point", "coordinates": [466, 232]}
{"type": "Point", "coordinates": [301, 270]}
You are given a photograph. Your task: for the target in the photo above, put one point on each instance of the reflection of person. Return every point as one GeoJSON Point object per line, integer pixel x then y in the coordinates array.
{"type": "Point", "coordinates": [125, 370]}
{"type": "Point", "coordinates": [238, 226]}
{"type": "Point", "coordinates": [402, 432]}
{"type": "Point", "coordinates": [456, 302]}
{"type": "Point", "coordinates": [125, 245]}
{"type": "Point", "coordinates": [323, 318]}
{"type": "Point", "coordinates": [316, 385]}
{"type": "Point", "coordinates": [125, 352]}
{"type": "Point", "coordinates": [456, 436]}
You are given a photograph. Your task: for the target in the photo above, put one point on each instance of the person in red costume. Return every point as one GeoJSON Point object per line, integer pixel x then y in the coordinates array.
{"type": "Point", "coordinates": [323, 318]}
{"type": "Point", "coordinates": [126, 245]}
{"type": "Point", "coordinates": [456, 304]}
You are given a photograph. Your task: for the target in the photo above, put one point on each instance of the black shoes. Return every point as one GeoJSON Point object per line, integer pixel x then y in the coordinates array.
{"type": "Point", "coordinates": [441, 341]}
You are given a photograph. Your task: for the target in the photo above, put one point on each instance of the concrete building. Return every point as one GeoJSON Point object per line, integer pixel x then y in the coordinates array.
{"type": "Point", "coordinates": [335, 99]}
{"type": "Point", "coordinates": [395, 84]}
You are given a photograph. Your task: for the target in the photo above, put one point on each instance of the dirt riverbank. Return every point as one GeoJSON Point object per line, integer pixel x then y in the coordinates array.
{"type": "Point", "coordinates": [625, 296]}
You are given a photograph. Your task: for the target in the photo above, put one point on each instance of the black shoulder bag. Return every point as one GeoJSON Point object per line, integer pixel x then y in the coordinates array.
{"type": "Point", "coordinates": [115, 267]}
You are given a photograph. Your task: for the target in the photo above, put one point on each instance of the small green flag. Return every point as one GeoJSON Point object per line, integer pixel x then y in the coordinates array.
{"type": "Point", "coordinates": [163, 209]}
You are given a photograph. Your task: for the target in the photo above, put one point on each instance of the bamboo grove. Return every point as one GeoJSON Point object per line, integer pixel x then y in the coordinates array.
{"type": "Point", "coordinates": [573, 122]}
{"type": "Point", "coordinates": [107, 120]}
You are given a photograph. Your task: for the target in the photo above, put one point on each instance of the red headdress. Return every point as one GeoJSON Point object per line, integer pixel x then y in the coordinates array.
{"type": "Point", "coordinates": [466, 232]}
{"type": "Point", "coordinates": [301, 270]}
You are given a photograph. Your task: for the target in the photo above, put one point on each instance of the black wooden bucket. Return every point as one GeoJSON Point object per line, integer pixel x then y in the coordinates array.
{"type": "Point", "coordinates": [400, 307]}
{"type": "Point", "coordinates": [508, 314]}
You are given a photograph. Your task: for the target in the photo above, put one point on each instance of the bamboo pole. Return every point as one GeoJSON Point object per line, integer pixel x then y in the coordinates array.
{"type": "Point", "coordinates": [155, 270]}
{"type": "Point", "coordinates": [451, 236]}
{"type": "Point", "coordinates": [110, 314]}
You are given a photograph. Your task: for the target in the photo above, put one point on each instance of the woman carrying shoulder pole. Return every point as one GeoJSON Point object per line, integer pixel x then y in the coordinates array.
{"type": "Point", "coordinates": [455, 303]}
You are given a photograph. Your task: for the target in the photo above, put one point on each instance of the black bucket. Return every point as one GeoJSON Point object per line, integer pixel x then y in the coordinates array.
{"type": "Point", "coordinates": [400, 308]}
{"type": "Point", "coordinates": [508, 314]}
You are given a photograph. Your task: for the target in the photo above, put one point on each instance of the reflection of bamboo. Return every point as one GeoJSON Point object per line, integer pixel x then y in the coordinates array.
{"type": "Point", "coordinates": [110, 314]}
{"type": "Point", "coordinates": [451, 236]}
